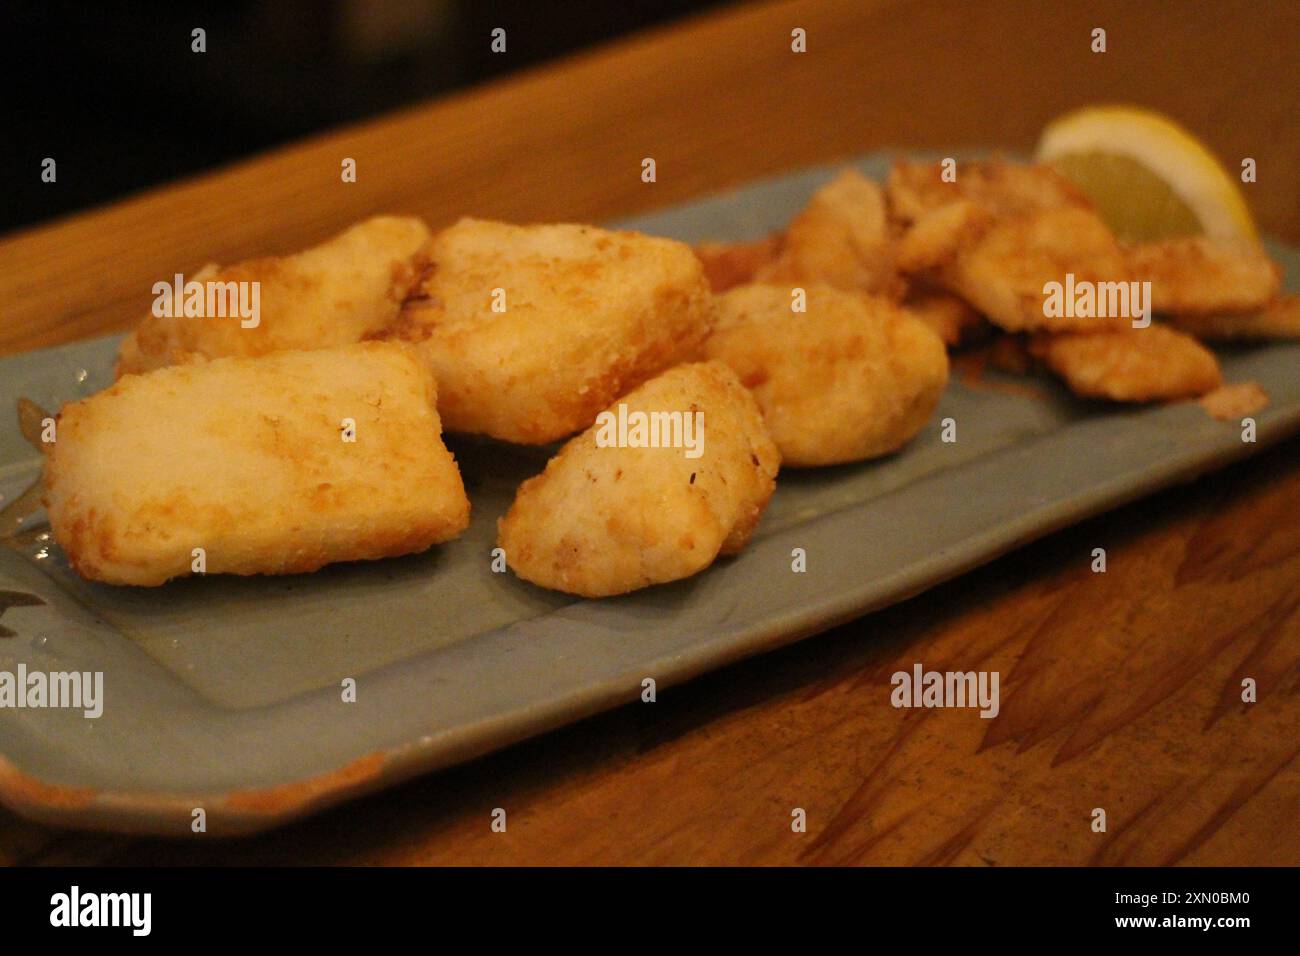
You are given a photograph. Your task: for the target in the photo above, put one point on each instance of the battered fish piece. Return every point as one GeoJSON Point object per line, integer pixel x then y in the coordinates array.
{"type": "Point", "coordinates": [604, 520]}
{"type": "Point", "coordinates": [1280, 319]}
{"type": "Point", "coordinates": [247, 459]}
{"type": "Point", "coordinates": [1195, 275]}
{"type": "Point", "coordinates": [532, 330]}
{"type": "Point", "coordinates": [840, 238]}
{"type": "Point", "coordinates": [854, 377]}
{"type": "Point", "coordinates": [332, 294]}
{"type": "Point", "coordinates": [1132, 365]}
{"type": "Point", "coordinates": [999, 234]}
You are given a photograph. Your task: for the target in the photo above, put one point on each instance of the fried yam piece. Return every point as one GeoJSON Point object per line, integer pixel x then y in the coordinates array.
{"type": "Point", "coordinates": [854, 377]}
{"type": "Point", "coordinates": [1131, 365]}
{"type": "Point", "coordinates": [999, 234]}
{"type": "Point", "coordinates": [249, 460]}
{"type": "Point", "coordinates": [332, 294]}
{"type": "Point", "coordinates": [1196, 275]}
{"type": "Point", "coordinates": [1279, 319]}
{"type": "Point", "coordinates": [532, 330]}
{"type": "Point", "coordinates": [605, 518]}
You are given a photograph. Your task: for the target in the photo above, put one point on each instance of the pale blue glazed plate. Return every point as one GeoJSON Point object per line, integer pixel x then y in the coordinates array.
{"type": "Point", "coordinates": [225, 694]}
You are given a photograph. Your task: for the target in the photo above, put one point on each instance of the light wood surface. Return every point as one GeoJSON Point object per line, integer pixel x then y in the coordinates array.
{"type": "Point", "coordinates": [1119, 690]}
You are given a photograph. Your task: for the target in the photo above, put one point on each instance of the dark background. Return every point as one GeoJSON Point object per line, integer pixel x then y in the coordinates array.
{"type": "Point", "coordinates": [113, 92]}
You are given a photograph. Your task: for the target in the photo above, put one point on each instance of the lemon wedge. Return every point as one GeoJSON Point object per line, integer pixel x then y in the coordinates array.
{"type": "Point", "coordinates": [1148, 177]}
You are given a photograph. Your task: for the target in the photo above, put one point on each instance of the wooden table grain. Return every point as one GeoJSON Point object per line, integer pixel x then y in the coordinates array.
{"type": "Point", "coordinates": [1120, 690]}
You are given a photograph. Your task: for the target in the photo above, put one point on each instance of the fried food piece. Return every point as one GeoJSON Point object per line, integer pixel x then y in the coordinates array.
{"type": "Point", "coordinates": [935, 239]}
{"type": "Point", "coordinates": [1195, 275]}
{"type": "Point", "coordinates": [998, 234]}
{"type": "Point", "coordinates": [1002, 188]}
{"type": "Point", "coordinates": [1280, 319]}
{"type": "Point", "coordinates": [1131, 365]}
{"type": "Point", "coordinates": [949, 317]}
{"type": "Point", "coordinates": [1004, 272]}
{"type": "Point", "coordinates": [581, 315]}
{"type": "Point", "coordinates": [1233, 402]}
{"type": "Point", "coordinates": [605, 519]}
{"type": "Point", "coordinates": [840, 238]}
{"type": "Point", "coordinates": [247, 459]}
{"type": "Point", "coordinates": [854, 377]}
{"type": "Point", "coordinates": [729, 264]}
{"type": "Point", "coordinates": [332, 294]}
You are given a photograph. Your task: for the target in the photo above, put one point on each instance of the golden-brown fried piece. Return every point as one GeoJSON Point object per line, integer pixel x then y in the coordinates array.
{"type": "Point", "coordinates": [949, 317]}
{"type": "Point", "coordinates": [935, 239]}
{"type": "Point", "coordinates": [1197, 275]}
{"type": "Point", "coordinates": [1131, 365]}
{"type": "Point", "coordinates": [854, 377]}
{"type": "Point", "coordinates": [532, 330]}
{"type": "Point", "coordinates": [1233, 402]}
{"type": "Point", "coordinates": [250, 460]}
{"type": "Point", "coordinates": [1002, 188]}
{"type": "Point", "coordinates": [1279, 319]}
{"type": "Point", "coordinates": [999, 234]}
{"type": "Point", "coordinates": [729, 264]}
{"type": "Point", "coordinates": [606, 518]}
{"type": "Point", "coordinates": [332, 294]}
{"type": "Point", "coordinates": [1004, 272]}
{"type": "Point", "coordinates": [840, 238]}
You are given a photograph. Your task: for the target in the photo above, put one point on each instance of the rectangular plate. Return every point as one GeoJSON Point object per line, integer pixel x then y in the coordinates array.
{"type": "Point", "coordinates": [224, 693]}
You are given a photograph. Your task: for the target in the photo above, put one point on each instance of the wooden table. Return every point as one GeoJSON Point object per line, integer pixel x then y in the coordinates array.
{"type": "Point", "coordinates": [1120, 690]}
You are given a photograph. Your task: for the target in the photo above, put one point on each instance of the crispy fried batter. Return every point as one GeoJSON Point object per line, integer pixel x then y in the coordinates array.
{"type": "Point", "coordinates": [998, 234]}
{"type": "Point", "coordinates": [1279, 319]}
{"type": "Point", "coordinates": [1004, 272]}
{"type": "Point", "coordinates": [854, 377]}
{"type": "Point", "coordinates": [1232, 402]}
{"type": "Point", "coordinates": [246, 459]}
{"type": "Point", "coordinates": [949, 317]}
{"type": "Point", "coordinates": [607, 520]}
{"type": "Point", "coordinates": [1196, 275]}
{"type": "Point", "coordinates": [1131, 365]}
{"type": "Point", "coordinates": [840, 238]}
{"type": "Point", "coordinates": [935, 239]}
{"type": "Point", "coordinates": [1002, 188]}
{"type": "Point", "coordinates": [588, 313]}
{"type": "Point", "coordinates": [332, 294]}
{"type": "Point", "coordinates": [729, 264]}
